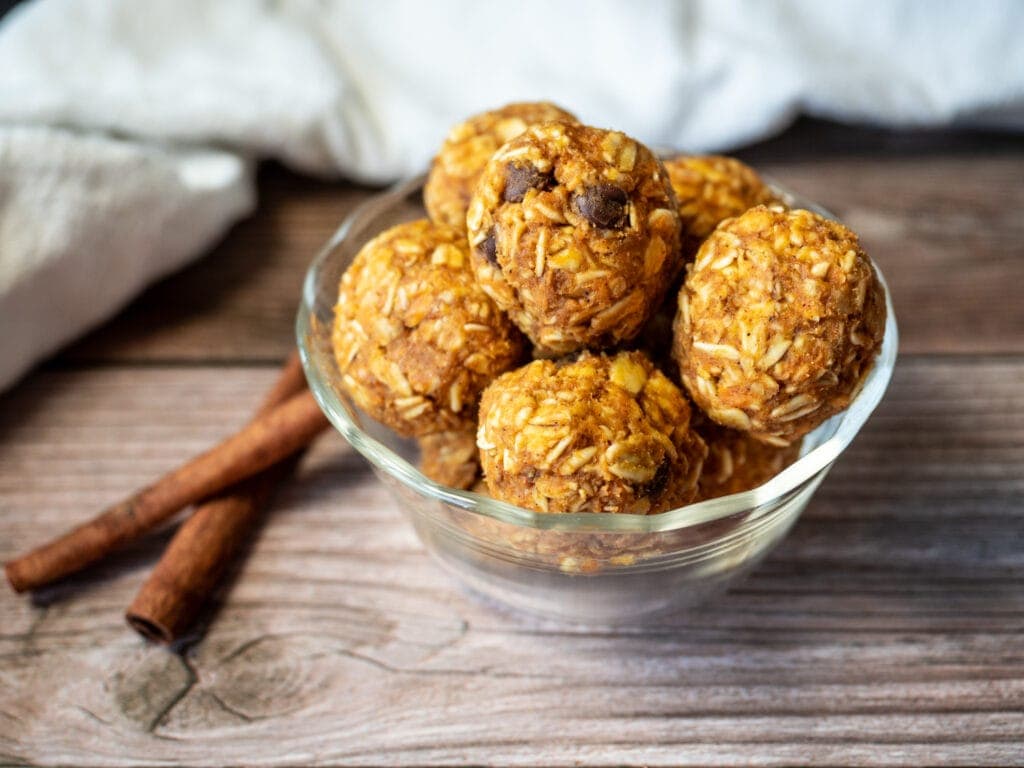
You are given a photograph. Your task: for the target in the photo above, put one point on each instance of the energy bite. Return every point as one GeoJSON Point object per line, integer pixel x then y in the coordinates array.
{"type": "Point", "coordinates": [600, 434]}
{"type": "Point", "coordinates": [466, 150]}
{"type": "Point", "coordinates": [415, 338]}
{"type": "Point", "coordinates": [450, 458]}
{"type": "Point", "coordinates": [779, 321]}
{"type": "Point", "coordinates": [575, 234]}
{"type": "Point", "coordinates": [710, 189]}
{"type": "Point", "coordinates": [737, 462]}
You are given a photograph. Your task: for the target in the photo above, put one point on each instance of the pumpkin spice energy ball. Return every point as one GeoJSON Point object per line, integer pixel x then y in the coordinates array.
{"type": "Point", "coordinates": [415, 338]}
{"type": "Point", "coordinates": [710, 189]}
{"type": "Point", "coordinates": [466, 150]}
{"type": "Point", "coordinates": [600, 434]}
{"type": "Point", "coordinates": [575, 234]}
{"type": "Point", "coordinates": [779, 322]}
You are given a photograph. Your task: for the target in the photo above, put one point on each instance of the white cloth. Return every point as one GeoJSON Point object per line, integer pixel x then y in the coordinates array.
{"type": "Point", "coordinates": [367, 90]}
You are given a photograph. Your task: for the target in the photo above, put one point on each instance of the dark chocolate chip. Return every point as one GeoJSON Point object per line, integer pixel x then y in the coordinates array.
{"type": "Point", "coordinates": [603, 205]}
{"type": "Point", "coordinates": [658, 482]}
{"type": "Point", "coordinates": [519, 179]}
{"type": "Point", "coordinates": [489, 248]}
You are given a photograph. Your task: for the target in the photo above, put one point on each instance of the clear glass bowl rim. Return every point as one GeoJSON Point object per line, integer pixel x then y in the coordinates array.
{"type": "Point", "coordinates": [767, 495]}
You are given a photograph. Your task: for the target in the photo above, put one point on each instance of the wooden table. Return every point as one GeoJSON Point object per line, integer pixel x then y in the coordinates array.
{"type": "Point", "coordinates": [887, 629]}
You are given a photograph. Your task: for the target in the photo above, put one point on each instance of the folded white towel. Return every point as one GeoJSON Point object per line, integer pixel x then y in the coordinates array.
{"type": "Point", "coordinates": [367, 89]}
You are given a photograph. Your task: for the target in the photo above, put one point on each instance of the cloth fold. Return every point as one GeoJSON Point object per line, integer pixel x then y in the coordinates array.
{"type": "Point", "coordinates": [128, 127]}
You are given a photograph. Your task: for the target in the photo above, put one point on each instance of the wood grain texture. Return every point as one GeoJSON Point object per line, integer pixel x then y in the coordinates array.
{"type": "Point", "coordinates": [939, 212]}
{"type": "Point", "coordinates": [947, 235]}
{"type": "Point", "coordinates": [888, 628]}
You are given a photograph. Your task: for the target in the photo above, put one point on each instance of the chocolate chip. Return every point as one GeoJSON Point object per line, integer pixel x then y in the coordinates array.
{"type": "Point", "coordinates": [489, 248]}
{"type": "Point", "coordinates": [658, 482]}
{"type": "Point", "coordinates": [603, 205]}
{"type": "Point", "coordinates": [519, 179]}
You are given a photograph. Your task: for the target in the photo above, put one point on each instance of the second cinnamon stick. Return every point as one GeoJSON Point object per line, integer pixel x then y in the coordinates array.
{"type": "Point", "coordinates": [178, 588]}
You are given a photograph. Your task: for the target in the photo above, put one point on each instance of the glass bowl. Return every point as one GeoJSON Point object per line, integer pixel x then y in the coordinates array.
{"type": "Point", "coordinates": [583, 567]}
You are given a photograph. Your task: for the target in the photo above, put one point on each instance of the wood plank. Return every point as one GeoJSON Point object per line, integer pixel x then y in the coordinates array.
{"type": "Point", "coordinates": [947, 235]}
{"type": "Point", "coordinates": [809, 140]}
{"type": "Point", "coordinates": [887, 629]}
{"type": "Point", "coordinates": [937, 210]}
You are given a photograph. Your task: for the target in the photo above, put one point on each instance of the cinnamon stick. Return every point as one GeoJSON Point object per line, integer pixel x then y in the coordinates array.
{"type": "Point", "coordinates": [263, 442]}
{"type": "Point", "coordinates": [196, 558]}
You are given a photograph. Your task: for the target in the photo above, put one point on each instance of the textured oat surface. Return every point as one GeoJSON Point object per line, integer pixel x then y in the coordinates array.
{"type": "Point", "coordinates": [599, 434]}
{"type": "Point", "coordinates": [736, 461]}
{"type": "Point", "coordinates": [779, 320]}
{"type": "Point", "coordinates": [466, 150]}
{"type": "Point", "coordinates": [415, 338]}
{"type": "Point", "coordinates": [575, 234]}
{"type": "Point", "coordinates": [710, 189]}
{"type": "Point", "coordinates": [450, 458]}
{"type": "Point", "coordinates": [577, 552]}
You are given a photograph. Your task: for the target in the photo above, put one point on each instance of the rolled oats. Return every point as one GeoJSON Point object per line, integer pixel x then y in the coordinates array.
{"type": "Point", "coordinates": [779, 321]}
{"type": "Point", "coordinates": [579, 553]}
{"type": "Point", "coordinates": [599, 434]}
{"type": "Point", "coordinates": [575, 234]}
{"type": "Point", "coordinates": [415, 338]}
{"type": "Point", "coordinates": [466, 150]}
{"type": "Point", "coordinates": [710, 189]}
{"type": "Point", "coordinates": [450, 458]}
{"type": "Point", "coordinates": [737, 462]}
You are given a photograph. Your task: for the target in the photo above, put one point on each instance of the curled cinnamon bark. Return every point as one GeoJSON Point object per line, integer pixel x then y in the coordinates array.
{"type": "Point", "coordinates": [263, 442]}
{"type": "Point", "coordinates": [167, 605]}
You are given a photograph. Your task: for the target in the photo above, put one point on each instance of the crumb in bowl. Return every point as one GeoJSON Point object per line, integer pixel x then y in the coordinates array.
{"type": "Point", "coordinates": [737, 462]}
{"type": "Point", "coordinates": [450, 458]}
{"type": "Point", "coordinates": [578, 553]}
